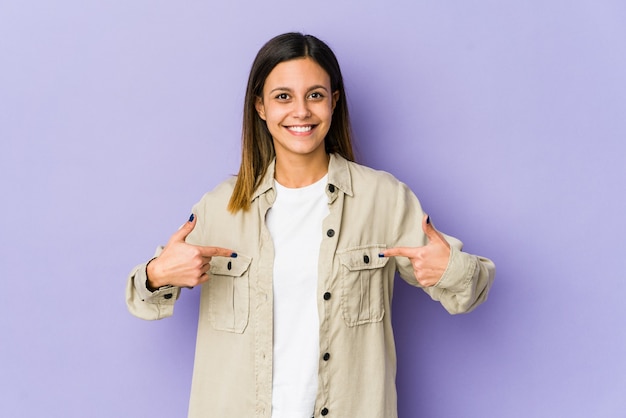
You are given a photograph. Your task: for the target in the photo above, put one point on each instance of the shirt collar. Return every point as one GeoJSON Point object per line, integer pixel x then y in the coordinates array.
{"type": "Point", "coordinates": [338, 176]}
{"type": "Point", "coordinates": [267, 182]}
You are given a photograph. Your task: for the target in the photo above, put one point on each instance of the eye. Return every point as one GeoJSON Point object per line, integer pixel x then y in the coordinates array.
{"type": "Point", "coordinates": [316, 95]}
{"type": "Point", "coordinates": [282, 96]}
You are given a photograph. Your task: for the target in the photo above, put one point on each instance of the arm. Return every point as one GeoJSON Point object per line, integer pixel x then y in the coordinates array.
{"type": "Point", "coordinates": [153, 287]}
{"type": "Point", "coordinates": [436, 262]}
{"type": "Point", "coordinates": [465, 282]}
{"type": "Point", "coordinates": [145, 303]}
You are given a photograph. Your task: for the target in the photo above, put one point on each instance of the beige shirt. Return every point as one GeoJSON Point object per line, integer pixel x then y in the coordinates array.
{"type": "Point", "coordinates": [369, 211]}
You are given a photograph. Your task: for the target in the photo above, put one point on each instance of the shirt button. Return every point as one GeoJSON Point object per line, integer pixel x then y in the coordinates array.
{"type": "Point", "coordinates": [167, 296]}
{"type": "Point", "coordinates": [326, 356]}
{"type": "Point", "coordinates": [330, 233]}
{"type": "Point", "coordinates": [366, 259]}
{"type": "Point", "coordinates": [326, 295]}
{"type": "Point", "coordinates": [331, 188]}
{"type": "Point", "coordinates": [229, 265]}
{"type": "Point", "coordinates": [324, 411]}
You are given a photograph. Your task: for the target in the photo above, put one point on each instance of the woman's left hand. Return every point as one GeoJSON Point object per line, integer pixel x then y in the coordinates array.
{"type": "Point", "coordinates": [430, 261]}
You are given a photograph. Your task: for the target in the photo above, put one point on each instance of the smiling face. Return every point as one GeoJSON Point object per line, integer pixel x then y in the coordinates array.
{"type": "Point", "coordinates": [297, 105]}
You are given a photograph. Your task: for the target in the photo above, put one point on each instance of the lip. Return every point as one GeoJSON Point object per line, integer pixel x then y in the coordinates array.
{"type": "Point", "coordinates": [301, 130]}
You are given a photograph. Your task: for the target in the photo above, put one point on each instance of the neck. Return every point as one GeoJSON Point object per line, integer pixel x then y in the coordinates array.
{"type": "Point", "coordinates": [300, 172]}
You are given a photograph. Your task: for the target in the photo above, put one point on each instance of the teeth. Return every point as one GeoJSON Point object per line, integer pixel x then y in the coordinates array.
{"type": "Point", "coordinates": [301, 128]}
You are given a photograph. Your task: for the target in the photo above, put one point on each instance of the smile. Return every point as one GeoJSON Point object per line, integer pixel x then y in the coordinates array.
{"type": "Point", "coordinates": [300, 129]}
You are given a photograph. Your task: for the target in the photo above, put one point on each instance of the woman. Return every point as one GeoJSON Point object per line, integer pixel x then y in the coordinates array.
{"type": "Point", "coordinates": [297, 255]}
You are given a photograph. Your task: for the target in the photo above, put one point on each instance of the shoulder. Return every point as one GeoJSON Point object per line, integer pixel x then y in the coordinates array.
{"type": "Point", "coordinates": [370, 178]}
{"type": "Point", "coordinates": [213, 216]}
{"type": "Point", "coordinates": [220, 194]}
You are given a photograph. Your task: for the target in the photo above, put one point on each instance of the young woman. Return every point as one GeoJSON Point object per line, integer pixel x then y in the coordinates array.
{"type": "Point", "coordinates": [297, 255]}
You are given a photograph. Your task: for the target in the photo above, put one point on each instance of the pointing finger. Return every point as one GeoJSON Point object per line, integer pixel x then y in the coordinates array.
{"type": "Point", "coordinates": [397, 251]}
{"type": "Point", "coordinates": [217, 252]}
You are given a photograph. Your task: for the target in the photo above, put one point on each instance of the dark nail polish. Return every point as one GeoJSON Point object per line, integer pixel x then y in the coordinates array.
{"type": "Point", "coordinates": [233, 255]}
{"type": "Point", "coordinates": [191, 218]}
{"type": "Point", "coordinates": [428, 220]}
{"type": "Point", "coordinates": [381, 255]}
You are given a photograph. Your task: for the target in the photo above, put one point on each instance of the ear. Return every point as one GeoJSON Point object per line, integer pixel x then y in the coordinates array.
{"type": "Point", "coordinates": [335, 99]}
{"type": "Point", "coordinates": [260, 108]}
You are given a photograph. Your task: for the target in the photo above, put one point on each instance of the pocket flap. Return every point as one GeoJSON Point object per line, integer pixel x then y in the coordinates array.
{"type": "Point", "coordinates": [363, 257]}
{"type": "Point", "coordinates": [228, 266]}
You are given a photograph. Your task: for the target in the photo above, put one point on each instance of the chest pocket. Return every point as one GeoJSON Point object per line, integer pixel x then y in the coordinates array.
{"type": "Point", "coordinates": [363, 279]}
{"type": "Point", "coordinates": [229, 293]}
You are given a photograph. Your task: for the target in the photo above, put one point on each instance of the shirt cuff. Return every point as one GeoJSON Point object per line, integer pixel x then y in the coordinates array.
{"type": "Point", "coordinates": [165, 295]}
{"type": "Point", "coordinates": [459, 272]}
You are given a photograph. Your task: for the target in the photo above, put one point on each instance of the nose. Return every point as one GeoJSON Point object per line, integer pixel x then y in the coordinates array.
{"type": "Point", "coordinates": [301, 109]}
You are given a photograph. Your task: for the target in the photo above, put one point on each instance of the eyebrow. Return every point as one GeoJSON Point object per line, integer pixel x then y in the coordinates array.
{"type": "Point", "coordinates": [315, 87]}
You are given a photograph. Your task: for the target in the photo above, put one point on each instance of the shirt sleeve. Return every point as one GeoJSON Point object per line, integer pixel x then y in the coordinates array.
{"type": "Point", "coordinates": [145, 304]}
{"type": "Point", "coordinates": [467, 279]}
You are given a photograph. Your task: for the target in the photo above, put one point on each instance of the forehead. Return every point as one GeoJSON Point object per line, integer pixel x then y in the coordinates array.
{"type": "Point", "coordinates": [297, 73]}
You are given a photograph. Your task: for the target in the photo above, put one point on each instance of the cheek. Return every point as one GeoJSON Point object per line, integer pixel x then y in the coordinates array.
{"type": "Point", "coordinates": [273, 115]}
{"type": "Point", "coordinates": [273, 122]}
{"type": "Point", "coordinates": [328, 112]}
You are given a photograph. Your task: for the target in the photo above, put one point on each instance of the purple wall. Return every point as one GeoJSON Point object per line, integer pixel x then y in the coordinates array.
{"type": "Point", "coordinates": [508, 121]}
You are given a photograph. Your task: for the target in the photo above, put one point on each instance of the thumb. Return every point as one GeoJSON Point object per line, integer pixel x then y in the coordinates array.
{"type": "Point", "coordinates": [429, 229]}
{"type": "Point", "coordinates": [184, 230]}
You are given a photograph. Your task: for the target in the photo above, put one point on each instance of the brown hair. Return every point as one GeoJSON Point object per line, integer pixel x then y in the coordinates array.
{"type": "Point", "coordinates": [257, 145]}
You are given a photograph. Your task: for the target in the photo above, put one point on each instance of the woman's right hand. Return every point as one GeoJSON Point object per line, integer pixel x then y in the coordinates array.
{"type": "Point", "coordinates": [181, 264]}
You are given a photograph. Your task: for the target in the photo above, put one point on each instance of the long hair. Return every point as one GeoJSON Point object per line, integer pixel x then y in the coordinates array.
{"type": "Point", "coordinates": [257, 145]}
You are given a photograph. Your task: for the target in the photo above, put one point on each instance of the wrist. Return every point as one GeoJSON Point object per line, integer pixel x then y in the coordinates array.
{"type": "Point", "coordinates": [151, 285]}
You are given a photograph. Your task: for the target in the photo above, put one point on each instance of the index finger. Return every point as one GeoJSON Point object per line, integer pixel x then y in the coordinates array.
{"type": "Point", "coordinates": [397, 251]}
{"type": "Point", "coordinates": [217, 252]}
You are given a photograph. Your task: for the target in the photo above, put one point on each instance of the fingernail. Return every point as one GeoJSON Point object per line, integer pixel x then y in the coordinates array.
{"type": "Point", "coordinates": [381, 255]}
{"type": "Point", "coordinates": [191, 218]}
{"type": "Point", "coordinates": [428, 220]}
{"type": "Point", "coordinates": [233, 255]}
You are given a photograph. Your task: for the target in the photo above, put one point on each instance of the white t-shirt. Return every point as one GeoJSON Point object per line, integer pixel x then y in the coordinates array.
{"type": "Point", "coordinates": [295, 223]}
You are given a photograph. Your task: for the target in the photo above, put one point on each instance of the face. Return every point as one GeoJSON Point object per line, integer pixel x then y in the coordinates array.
{"type": "Point", "coordinates": [297, 105]}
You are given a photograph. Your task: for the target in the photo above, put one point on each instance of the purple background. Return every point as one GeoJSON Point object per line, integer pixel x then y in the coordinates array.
{"type": "Point", "coordinates": [508, 120]}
